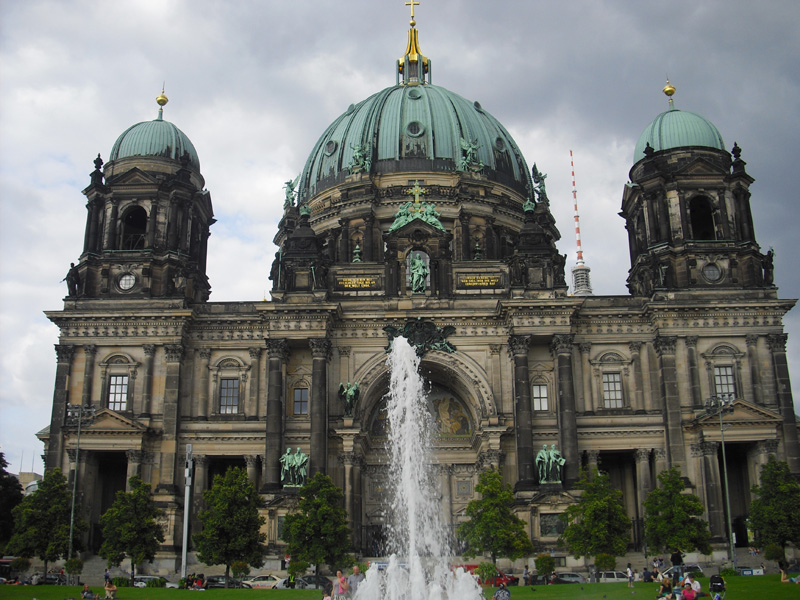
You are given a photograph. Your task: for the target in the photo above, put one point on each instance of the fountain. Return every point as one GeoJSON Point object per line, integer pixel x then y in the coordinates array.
{"type": "Point", "coordinates": [418, 567]}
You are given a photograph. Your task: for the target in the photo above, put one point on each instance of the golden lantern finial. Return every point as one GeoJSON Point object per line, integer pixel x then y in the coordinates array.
{"type": "Point", "coordinates": [161, 100]}
{"type": "Point", "coordinates": [669, 91]}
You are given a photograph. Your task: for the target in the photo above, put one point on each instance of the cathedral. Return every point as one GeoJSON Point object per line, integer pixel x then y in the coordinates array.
{"type": "Point", "coordinates": [417, 215]}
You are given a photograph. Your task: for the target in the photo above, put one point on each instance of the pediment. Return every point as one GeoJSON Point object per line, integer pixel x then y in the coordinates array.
{"type": "Point", "coordinates": [109, 422]}
{"type": "Point", "coordinates": [415, 229]}
{"type": "Point", "coordinates": [134, 176]}
{"type": "Point", "coordinates": [744, 414]}
{"type": "Point", "coordinates": [553, 499]}
{"type": "Point", "coordinates": [701, 166]}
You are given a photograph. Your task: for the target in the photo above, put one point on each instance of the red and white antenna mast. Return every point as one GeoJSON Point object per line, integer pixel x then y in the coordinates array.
{"type": "Point", "coordinates": [581, 284]}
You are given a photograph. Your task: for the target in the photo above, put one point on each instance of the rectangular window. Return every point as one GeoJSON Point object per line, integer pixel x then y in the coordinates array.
{"type": "Point", "coordinates": [301, 401]}
{"type": "Point", "coordinates": [724, 383]}
{"type": "Point", "coordinates": [118, 392]}
{"type": "Point", "coordinates": [612, 390]}
{"type": "Point", "coordinates": [228, 396]}
{"type": "Point", "coordinates": [539, 392]}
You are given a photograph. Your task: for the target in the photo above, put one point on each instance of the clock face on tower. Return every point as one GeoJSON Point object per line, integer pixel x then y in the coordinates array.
{"type": "Point", "coordinates": [126, 281]}
{"type": "Point", "coordinates": [712, 272]}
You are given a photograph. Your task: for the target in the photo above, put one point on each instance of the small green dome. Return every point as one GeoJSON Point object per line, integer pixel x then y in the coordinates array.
{"type": "Point", "coordinates": [414, 128]}
{"type": "Point", "coordinates": [677, 129]}
{"type": "Point", "coordinates": [157, 138]}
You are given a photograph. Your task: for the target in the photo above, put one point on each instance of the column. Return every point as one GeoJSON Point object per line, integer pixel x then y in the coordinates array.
{"type": "Point", "coordinates": [64, 355]}
{"type": "Point", "coordinates": [147, 387]}
{"type": "Point", "coordinates": [562, 348]}
{"type": "Point", "coordinates": [638, 380]}
{"type": "Point", "coordinates": [172, 415]}
{"type": "Point", "coordinates": [251, 410]}
{"type": "Point", "coordinates": [668, 374]}
{"type": "Point", "coordinates": [251, 461]}
{"type": "Point", "coordinates": [320, 354]}
{"type": "Point", "coordinates": [764, 449]}
{"type": "Point", "coordinates": [134, 466]}
{"type": "Point", "coordinates": [109, 233]}
{"type": "Point", "coordinates": [522, 405]}
{"type": "Point", "coordinates": [278, 350]}
{"type": "Point", "coordinates": [89, 353]}
{"type": "Point", "coordinates": [344, 242]}
{"type": "Point", "coordinates": [202, 407]}
{"type": "Point", "coordinates": [755, 376]}
{"type": "Point", "coordinates": [172, 224]}
{"type": "Point", "coordinates": [592, 458]}
{"type": "Point", "coordinates": [712, 492]}
{"type": "Point", "coordinates": [643, 477]}
{"type": "Point", "coordinates": [463, 218]}
{"type": "Point", "coordinates": [199, 485]}
{"type": "Point", "coordinates": [586, 373]}
{"type": "Point", "coordinates": [152, 224]}
{"type": "Point", "coordinates": [783, 386]}
{"type": "Point", "coordinates": [347, 459]}
{"type": "Point", "coordinates": [660, 456]}
{"type": "Point", "coordinates": [445, 484]}
{"type": "Point", "coordinates": [694, 371]}
{"type": "Point", "coordinates": [369, 234]}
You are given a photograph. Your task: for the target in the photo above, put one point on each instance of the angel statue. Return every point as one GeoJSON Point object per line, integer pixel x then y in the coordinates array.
{"type": "Point", "coordinates": [469, 161]}
{"type": "Point", "coordinates": [538, 179]}
{"type": "Point", "coordinates": [348, 393]}
{"type": "Point", "coordinates": [291, 192]}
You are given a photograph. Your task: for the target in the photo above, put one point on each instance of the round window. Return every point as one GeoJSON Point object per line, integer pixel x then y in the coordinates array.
{"type": "Point", "coordinates": [127, 281]}
{"type": "Point", "coordinates": [330, 147]}
{"type": "Point", "coordinates": [414, 94]}
{"type": "Point", "coordinates": [415, 129]}
{"type": "Point", "coordinates": [712, 272]}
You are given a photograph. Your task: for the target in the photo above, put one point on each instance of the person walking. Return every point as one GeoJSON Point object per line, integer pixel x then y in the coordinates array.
{"type": "Point", "coordinates": [629, 572]}
{"type": "Point", "coordinates": [354, 579]}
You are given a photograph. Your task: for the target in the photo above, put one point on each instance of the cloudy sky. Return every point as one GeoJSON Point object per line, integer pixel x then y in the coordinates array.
{"type": "Point", "coordinates": [253, 84]}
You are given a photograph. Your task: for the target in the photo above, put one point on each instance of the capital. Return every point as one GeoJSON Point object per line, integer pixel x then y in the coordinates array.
{"type": "Point", "coordinates": [562, 344]}
{"type": "Point", "coordinates": [174, 352]}
{"type": "Point", "coordinates": [519, 344]}
{"type": "Point", "coordinates": [320, 347]}
{"type": "Point", "coordinates": [278, 348]}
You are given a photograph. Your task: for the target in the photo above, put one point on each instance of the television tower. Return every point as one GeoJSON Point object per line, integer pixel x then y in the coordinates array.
{"type": "Point", "coordinates": [581, 283]}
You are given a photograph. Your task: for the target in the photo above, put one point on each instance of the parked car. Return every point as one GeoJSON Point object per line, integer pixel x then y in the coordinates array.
{"type": "Point", "coordinates": [314, 581]}
{"type": "Point", "coordinates": [611, 576]}
{"type": "Point", "coordinates": [283, 584]}
{"type": "Point", "coordinates": [218, 581]}
{"type": "Point", "coordinates": [140, 581]}
{"type": "Point", "coordinates": [688, 568]}
{"type": "Point", "coordinates": [261, 581]}
{"type": "Point", "coordinates": [53, 579]}
{"type": "Point", "coordinates": [570, 578]}
{"type": "Point", "coordinates": [499, 578]}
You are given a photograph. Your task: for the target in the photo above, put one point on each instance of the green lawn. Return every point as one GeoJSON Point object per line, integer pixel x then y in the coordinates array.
{"type": "Point", "coordinates": [767, 587]}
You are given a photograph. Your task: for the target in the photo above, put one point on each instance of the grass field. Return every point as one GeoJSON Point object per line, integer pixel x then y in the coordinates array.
{"type": "Point", "coordinates": [767, 587]}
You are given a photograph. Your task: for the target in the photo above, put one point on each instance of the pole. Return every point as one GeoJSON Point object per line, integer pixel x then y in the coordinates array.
{"type": "Point", "coordinates": [75, 481]}
{"type": "Point", "coordinates": [731, 548]}
{"type": "Point", "coordinates": [186, 499]}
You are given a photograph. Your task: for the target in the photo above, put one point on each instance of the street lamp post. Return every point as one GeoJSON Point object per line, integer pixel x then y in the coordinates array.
{"type": "Point", "coordinates": [719, 405]}
{"type": "Point", "coordinates": [77, 414]}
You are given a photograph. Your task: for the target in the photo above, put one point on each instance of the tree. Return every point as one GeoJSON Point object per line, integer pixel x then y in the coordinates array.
{"type": "Point", "coordinates": [231, 523]}
{"type": "Point", "coordinates": [318, 533]}
{"type": "Point", "coordinates": [672, 518]}
{"type": "Point", "coordinates": [10, 497]}
{"type": "Point", "coordinates": [597, 523]}
{"type": "Point", "coordinates": [775, 513]}
{"type": "Point", "coordinates": [130, 527]}
{"type": "Point", "coordinates": [41, 521]}
{"type": "Point", "coordinates": [492, 526]}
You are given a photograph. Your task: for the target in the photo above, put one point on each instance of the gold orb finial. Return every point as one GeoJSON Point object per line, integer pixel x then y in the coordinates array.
{"type": "Point", "coordinates": [669, 89]}
{"type": "Point", "coordinates": [162, 98]}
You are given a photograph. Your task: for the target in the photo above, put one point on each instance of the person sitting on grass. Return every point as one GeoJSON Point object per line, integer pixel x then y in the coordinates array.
{"type": "Point", "coordinates": [665, 589]}
{"type": "Point", "coordinates": [502, 593]}
{"type": "Point", "coordinates": [87, 593]}
{"type": "Point", "coordinates": [111, 590]}
{"type": "Point", "coordinates": [786, 579]}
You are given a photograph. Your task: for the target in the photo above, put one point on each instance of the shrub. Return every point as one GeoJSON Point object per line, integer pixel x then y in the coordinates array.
{"type": "Point", "coordinates": [20, 564]}
{"type": "Point", "coordinates": [544, 564]}
{"type": "Point", "coordinates": [729, 572]}
{"type": "Point", "coordinates": [606, 562]}
{"type": "Point", "coordinates": [774, 552]}
{"type": "Point", "coordinates": [239, 569]}
{"type": "Point", "coordinates": [486, 571]}
{"type": "Point", "coordinates": [121, 581]}
{"type": "Point", "coordinates": [156, 583]}
{"type": "Point", "coordinates": [74, 566]}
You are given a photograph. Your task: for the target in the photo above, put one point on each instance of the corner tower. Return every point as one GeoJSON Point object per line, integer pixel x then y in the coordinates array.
{"type": "Point", "coordinates": [148, 219]}
{"type": "Point", "coordinates": [687, 210]}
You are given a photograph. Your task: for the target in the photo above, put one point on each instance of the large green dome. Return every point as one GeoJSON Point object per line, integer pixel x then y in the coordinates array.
{"type": "Point", "coordinates": [156, 138]}
{"type": "Point", "coordinates": [677, 129]}
{"type": "Point", "coordinates": [414, 128]}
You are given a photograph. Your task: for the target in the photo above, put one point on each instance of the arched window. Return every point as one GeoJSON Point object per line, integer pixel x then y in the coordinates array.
{"type": "Point", "coordinates": [702, 218]}
{"type": "Point", "coordinates": [134, 229]}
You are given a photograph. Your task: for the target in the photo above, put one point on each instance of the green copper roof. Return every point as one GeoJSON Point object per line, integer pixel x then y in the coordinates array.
{"type": "Point", "coordinates": [154, 138]}
{"type": "Point", "coordinates": [676, 129]}
{"type": "Point", "coordinates": [413, 128]}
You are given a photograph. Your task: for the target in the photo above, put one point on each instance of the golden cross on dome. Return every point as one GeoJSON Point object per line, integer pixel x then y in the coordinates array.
{"type": "Point", "coordinates": [417, 191]}
{"type": "Point", "coordinates": [412, 3]}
